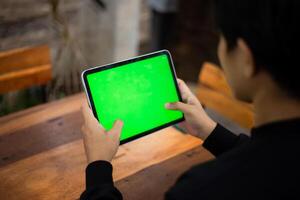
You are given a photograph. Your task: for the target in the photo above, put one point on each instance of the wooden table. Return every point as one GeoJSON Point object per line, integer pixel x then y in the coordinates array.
{"type": "Point", "coordinates": [42, 156]}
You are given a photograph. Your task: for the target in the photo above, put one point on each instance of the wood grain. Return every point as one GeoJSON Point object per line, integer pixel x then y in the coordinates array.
{"type": "Point", "coordinates": [32, 116]}
{"type": "Point", "coordinates": [43, 156]}
{"type": "Point", "coordinates": [59, 173]}
{"type": "Point", "coordinates": [40, 137]}
{"type": "Point", "coordinates": [24, 67]}
{"type": "Point", "coordinates": [24, 58]}
{"type": "Point", "coordinates": [154, 181]}
{"type": "Point", "coordinates": [38, 75]}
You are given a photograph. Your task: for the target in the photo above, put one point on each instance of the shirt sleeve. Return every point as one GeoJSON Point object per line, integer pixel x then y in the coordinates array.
{"type": "Point", "coordinates": [222, 140]}
{"type": "Point", "coordinates": [99, 182]}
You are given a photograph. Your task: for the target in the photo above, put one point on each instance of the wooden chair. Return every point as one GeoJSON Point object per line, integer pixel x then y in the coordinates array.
{"type": "Point", "coordinates": [25, 67]}
{"type": "Point", "coordinates": [215, 93]}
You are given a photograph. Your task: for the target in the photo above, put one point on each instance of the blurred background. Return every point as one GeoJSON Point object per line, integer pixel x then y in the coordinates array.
{"type": "Point", "coordinates": [45, 44]}
{"type": "Point", "coordinates": [44, 47]}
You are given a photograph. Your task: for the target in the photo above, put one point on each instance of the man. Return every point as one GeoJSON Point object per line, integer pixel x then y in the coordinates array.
{"type": "Point", "coordinates": [258, 50]}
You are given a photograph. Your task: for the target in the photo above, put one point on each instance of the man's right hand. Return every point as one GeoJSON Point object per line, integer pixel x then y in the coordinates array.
{"type": "Point", "coordinates": [197, 122]}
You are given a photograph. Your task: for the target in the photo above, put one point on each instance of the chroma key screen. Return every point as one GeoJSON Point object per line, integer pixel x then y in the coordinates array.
{"type": "Point", "coordinates": [136, 93]}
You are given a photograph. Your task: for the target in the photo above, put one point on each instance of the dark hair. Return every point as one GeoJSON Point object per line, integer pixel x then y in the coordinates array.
{"type": "Point", "coordinates": [271, 28]}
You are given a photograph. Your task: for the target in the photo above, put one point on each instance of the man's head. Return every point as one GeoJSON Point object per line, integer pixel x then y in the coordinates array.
{"type": "Point", "coordinates": [259, 45]}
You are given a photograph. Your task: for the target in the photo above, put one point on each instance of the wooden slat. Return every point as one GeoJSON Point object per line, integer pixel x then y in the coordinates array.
{"type": "Point", "coordinates": [21, 79]}
{"type": "Point", "coordinates": [239, 112]}
{"type": "Point", "coordinates": [40, 137]}
{"type": "Point", "coordinates": [213, 77]}
{"type": "Point", "coordinates": [39, 114]}
{"type": "Point", "coordinates": [154, 181]}
{"type": "Point", "coordinates": [23, 58]}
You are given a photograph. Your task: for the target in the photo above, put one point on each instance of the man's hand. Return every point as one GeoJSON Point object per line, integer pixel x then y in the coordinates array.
{"type": "Point", "coordinates": [99, 144]}
{"type": "Point", "coordinates": [197, 122]}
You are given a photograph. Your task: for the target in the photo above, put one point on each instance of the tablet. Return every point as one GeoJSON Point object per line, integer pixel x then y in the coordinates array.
{"type": "Point", "coordinates": [134, 91]}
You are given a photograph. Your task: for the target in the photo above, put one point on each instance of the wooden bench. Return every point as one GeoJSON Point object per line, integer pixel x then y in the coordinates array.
{"type": "Point", "coordinates": [24, 67]}
{"type": "Point", "coordinates": [215, 93]}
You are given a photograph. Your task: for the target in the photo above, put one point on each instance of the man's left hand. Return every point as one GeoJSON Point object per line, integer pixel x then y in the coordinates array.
{"type": "Point", "coordinates": [99, 144]}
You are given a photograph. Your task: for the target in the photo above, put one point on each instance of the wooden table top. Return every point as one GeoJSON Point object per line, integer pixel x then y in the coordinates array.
{"type": "Point", "coordinates": [42, 156]}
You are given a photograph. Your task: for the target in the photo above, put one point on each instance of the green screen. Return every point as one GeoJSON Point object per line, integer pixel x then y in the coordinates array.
{"type": "Point", "coordinates": [135, 93]}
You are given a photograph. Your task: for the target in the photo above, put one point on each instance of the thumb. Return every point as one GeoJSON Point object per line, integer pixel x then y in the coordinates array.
{"type": "Point", "coordinates": [178, 106]}
{"type": "Point", "coordinates": [117, 128]}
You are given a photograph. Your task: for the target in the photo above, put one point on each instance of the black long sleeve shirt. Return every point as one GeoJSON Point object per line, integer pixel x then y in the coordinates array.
{"type": "Point", "coordinates": [263, 166]}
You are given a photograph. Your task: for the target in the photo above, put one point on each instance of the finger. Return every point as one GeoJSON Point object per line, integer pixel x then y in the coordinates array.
{"type": "Point", "coordinates": [182, 83]}
{"type": "Point", "coordinates": [184, 90]}
{"type": "Point", "coordinates": [190, 100]}
{"type": "Point", "coordinates": [83, 130]}
{"type": "Point", "coordinates": [88, 116]}
{"type": "Point", "coordinates": [184, 96]}
{"type": "Point", "coordinates": [187, 95]}
{"type": "Point", "coordinates": [86, 112]}
{"type": "Point", "coordinates": [182, 125]}
{"type": "Point", "coordinates": [116, 129]}
{"type": "Point", "coordinates": [179, 81]}
{"type": "Point", "coordinates": [178, 106]}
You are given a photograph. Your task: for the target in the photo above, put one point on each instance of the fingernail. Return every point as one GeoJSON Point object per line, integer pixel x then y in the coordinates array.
{"type": "Point", "coordinates": [167, 105]}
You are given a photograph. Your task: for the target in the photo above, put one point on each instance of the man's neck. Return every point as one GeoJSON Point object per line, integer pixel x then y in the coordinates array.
{"type": "Point", "coordinates": [271, 107]}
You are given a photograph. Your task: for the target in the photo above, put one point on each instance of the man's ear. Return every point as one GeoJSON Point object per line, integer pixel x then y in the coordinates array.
{"type": "Point", "coordinates": [246, 56]}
